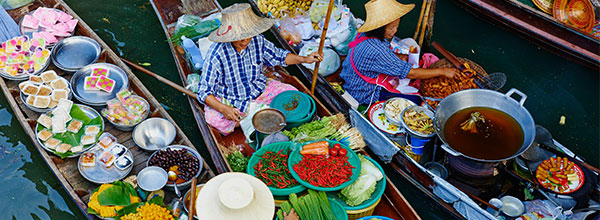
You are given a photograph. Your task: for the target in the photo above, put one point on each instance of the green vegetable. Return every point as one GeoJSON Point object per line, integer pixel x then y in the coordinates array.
{"type": "Point", "coordinates": [361, 190]}
{"type": "Point", "coordinates": [314, 130]}
{"type": "Point", "coordinates": [280, 214]}
{"type": "Point", "coordinates": [312, 206]}
{"type": "Point", "coordinates": [325, 206]}
{"type": "Point", "coordinates": [367, 167]}
{"type": "Point", "coordinates": [237, 161]}
{"type": "Point", "coordinates": [195, 30]}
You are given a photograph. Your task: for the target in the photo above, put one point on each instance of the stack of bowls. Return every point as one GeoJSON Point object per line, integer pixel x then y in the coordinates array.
{"type": "Point", "coordinates": [298, 107]}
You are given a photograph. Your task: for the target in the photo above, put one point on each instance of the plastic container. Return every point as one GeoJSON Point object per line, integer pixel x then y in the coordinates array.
{"type": "Point", "coordinates": [192, 52]}
{"type": "Point", "coordinates": [275, 147]}
{"type": "Point", "coordinates": [295, 158]}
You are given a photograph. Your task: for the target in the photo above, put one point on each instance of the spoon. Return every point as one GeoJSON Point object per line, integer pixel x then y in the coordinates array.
{"type": "Point", "coordinates": [175, 205]}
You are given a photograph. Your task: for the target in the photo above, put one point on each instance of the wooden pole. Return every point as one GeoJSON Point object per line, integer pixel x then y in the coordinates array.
{"type": "Point", "coordinates": [192, 200]}
{"type": "Point", "coordinates": [420, 19]}
{"type": "Point", "coordinates": [321, 44]}
{"type": "Point", "coordinates": [425, 18]}
{"type": "Point", "coordinates": [161, 79]}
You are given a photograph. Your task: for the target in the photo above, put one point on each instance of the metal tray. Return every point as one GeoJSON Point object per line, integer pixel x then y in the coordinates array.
{"type": "Point", "coordinates": [74, 53]}
{"type": "Point", "coordinates": [100, 174]}
{"type": "Point", "coordinates": [90, 112]}
{"type": "Point", "coordinates": [98, 98]}
{"type": "Point", "coordinates": [42, 110]}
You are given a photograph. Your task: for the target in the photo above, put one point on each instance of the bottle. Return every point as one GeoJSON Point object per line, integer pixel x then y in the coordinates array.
{"type": "Point", "coordinates": [192, 52]}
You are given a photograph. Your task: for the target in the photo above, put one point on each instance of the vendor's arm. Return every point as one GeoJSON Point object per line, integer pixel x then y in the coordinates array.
{"type": "Point", "coordinates": [275, 56]}
{"type": "Point", "coordinates": [421, 73]}
{"type": "Point", "coordinates": [389, 63]}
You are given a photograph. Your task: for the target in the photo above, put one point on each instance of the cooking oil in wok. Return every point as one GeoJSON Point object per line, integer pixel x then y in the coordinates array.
{"type": "Point", "coordinates": [500, 136]}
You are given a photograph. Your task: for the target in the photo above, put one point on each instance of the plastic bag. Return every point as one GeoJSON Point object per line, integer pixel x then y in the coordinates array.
{"type": "Point", "coordinates": [193, 81]}
{"type": "Point", "coordinates": [303, 24]}
{"type": "Point", "coordinates": [289, 31]}
{"type": "Point", "coordinates": [12, 4]}
{"type": "Point", "coordinates": [193, 27]}
{"type": "Point", "coordinates": [331, 60]}
{"type": "Point", "coordinates": [318, 10]}
{"type": "Point", "coordinates": [342, 32]}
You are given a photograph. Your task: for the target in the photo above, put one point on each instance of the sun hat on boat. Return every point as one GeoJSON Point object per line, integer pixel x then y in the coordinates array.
{"type": "Point", "coordinates": [383, 12]}
{"type": "Point", "coordinates": [576, 13]}
{"type": "Point", "coordinates": [235, 196]}
{"type": "Point", "coordinates": [239, 22]}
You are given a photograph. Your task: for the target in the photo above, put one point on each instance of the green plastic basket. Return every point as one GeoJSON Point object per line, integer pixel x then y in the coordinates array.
{"type": "Point", "coordinates": [274, 147]}
{"type": "Point", "coordinates": [295, 158]}
{"type": "Point", "coordinates": [379, 189]}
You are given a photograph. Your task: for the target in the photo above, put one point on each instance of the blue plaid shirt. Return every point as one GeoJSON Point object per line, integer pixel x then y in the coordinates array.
{"type": "Point", "coordinates": [235, 76]}
{"type": "Point", "coordinates": [371, 57]}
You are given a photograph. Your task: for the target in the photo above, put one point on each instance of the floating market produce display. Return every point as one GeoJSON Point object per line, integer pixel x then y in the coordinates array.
{"type": "Point", "coordinates": [69, 129]}
{"type": "Point", "coordinates": [49, 24]}
{"type": "Point", "coordinates": [106, 162]}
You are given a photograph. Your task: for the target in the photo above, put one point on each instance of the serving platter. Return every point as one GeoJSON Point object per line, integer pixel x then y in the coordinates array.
{"type": "Point", "coordinates": [377, 116]}
{"type": "Point", "coordinates": [100, 174]}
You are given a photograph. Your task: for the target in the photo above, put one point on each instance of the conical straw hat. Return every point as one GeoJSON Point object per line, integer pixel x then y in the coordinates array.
{"type": "Point", "coordinates": [239, 22]}
{"type": "Point", "coordinates": [383, 12]}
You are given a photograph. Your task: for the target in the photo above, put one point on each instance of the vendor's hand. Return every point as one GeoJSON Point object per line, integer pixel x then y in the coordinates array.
{"type": "Point", "coordinates": [313, 57]}
{"type": "Point", "coordinates": [449, 72]}
{"type": "Point", "coordinates": [290, 216]}
{"type": "Point", "coordinates": [231, 113]}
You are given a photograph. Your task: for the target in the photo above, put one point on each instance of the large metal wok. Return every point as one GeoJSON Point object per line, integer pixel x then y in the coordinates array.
{"type": "Point", "coordinates": [491, 99]}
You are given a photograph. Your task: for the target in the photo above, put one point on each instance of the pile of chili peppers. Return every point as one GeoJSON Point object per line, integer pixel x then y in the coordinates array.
{"type": "Point", "coordinates": [272, 169]}
{"type": "Point", "coordinates": [324, 171]}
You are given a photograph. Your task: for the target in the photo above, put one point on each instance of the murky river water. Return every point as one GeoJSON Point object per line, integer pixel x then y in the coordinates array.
{"type": "Point", "coordinates": [555, 87]}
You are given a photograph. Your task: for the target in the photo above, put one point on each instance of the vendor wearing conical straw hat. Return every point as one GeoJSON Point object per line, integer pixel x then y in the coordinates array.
{"type": "Point", "coordinates": [371, 63]}
{"type": "Point", "coordinates": [232, 76]}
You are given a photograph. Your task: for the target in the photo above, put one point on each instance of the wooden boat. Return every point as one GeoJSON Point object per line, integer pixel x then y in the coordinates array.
{"type": "Point", "coordinates": [393, 204]}
{"type": "Point", "coordinates": [78, 188]}
{"type": "Point", "coordinates": [410, 169]}
{"type": "Point", "coordinates": [539, 27]}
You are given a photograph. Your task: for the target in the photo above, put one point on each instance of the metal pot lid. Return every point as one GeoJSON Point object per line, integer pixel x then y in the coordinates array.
{"type": "Point", "coordinates": [73, 53]}
{"type": "Point", "coordinates": [268, 121]}
{"type": "Point", "coordinates": [293, 104]}
{"type": "Point", "coordinates": [98, 98]}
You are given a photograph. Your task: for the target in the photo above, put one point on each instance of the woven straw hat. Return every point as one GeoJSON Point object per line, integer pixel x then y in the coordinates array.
{"type": "Point", "coordinates": [239, 22]}
{"type": "Point", "coordinates": [234, 196]}
{"type": "Point", "coordinates": [383, 12]}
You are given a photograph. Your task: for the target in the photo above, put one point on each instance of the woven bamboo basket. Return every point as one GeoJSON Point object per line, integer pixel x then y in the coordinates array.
{"type": "Point", "coordinates": [356, 214]}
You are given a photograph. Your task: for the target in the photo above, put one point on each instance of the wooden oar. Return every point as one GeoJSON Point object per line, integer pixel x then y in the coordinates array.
{"type": "Point", "coordinates": [420, 19]}
{"type": "Point", "coordinates": [321, 44]}
{"type": "Point", "coordinates": [162, 79]}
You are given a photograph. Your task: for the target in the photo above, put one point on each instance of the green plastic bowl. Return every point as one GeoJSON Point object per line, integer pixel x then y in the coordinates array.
{"type": "Point", "coordinates": [295, 158]}
{"type": "Point", "coordinates": [338, 210]}
{"type": "Point", "coordinates": [274, 147]}
{"type": "Point", "coordinates": [379, 189]}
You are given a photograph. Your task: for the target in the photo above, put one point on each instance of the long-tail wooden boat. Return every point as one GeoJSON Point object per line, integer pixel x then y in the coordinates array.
{"type": "Point", "coordinates": [540, 28]}
{"type": "Point", "coordinates": [393, 203]}
{"type": "Point", "coordinates": [433, 186]}
{"type": "Point", "coordinates": [78, 188]}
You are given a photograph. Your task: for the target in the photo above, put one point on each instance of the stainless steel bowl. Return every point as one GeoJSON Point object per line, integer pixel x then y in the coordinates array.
{"type": "Point", "coordinates": [390, 118]}
{"type": "Point", "coordinates": [512, 206]}
{"type": "Point", "coordinates": [152, 178]}
{"type": "Point", "coordinates": [130, 127]}
{"type": "Point", "coordinates": [72, 53]}
{"type": "Point", "coordinates": [418, 109]}
{"type": "Point", "coordinates": [98, 98]}
{"type": "Point", "coordinates": [185, 185]}
{"type": "Point", "coordinates": [153, 134]}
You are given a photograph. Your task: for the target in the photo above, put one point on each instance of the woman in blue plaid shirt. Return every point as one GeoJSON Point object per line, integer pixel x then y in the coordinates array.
{"type": "Point", "coordinates": [371, 63]}
{"type": "Point", "coordinates": [232, 74]}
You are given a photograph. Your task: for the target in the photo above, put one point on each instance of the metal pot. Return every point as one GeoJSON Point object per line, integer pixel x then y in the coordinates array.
{"type": "Point", "coordinates": [490, 99]}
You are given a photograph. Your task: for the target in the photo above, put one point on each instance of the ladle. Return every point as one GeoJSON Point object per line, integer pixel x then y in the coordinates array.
{"type": "Point", "coordinates": [545, 139]}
